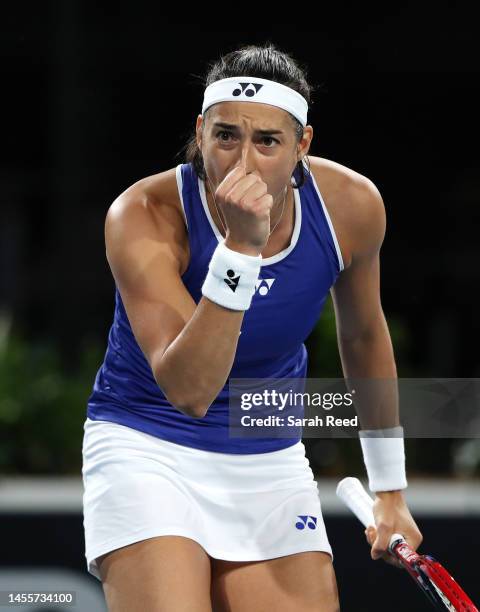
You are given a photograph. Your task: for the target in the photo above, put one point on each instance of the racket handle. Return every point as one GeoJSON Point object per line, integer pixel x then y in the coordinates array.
{"type": "Point", "coordinates": [395, 539]}
{"type": "Point", "coordinates": [351, 491]}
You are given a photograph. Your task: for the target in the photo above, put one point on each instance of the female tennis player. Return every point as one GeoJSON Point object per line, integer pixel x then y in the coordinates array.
{"type": "Point", "coordinates": [222, 266]}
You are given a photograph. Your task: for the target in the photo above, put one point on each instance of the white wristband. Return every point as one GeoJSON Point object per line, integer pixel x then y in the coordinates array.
{"type": "Point", "coordinates": [231, 278]}
{"type": "Point", "coordinates": [384, 457]}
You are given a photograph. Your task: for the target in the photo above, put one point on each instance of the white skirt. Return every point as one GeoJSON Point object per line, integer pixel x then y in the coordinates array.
{"type": "Point", "coordinates": [237, 507]}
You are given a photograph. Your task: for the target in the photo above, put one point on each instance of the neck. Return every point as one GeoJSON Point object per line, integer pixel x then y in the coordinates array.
{"type": "Point", "coordinates": [279, 208]}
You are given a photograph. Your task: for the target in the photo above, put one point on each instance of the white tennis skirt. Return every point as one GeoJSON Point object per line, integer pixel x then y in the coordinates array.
{"type": "Point", "coordinates": [237, 507]}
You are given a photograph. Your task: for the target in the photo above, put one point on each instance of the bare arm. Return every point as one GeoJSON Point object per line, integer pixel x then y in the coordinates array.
{"type": "Point", "coordinates": [366, 352]}
{"type": "Point", "coordinates": [363, 338]}
{"type": "Point", "coordinates": [190, 348]}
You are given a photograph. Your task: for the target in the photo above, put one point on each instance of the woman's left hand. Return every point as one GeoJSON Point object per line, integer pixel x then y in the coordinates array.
{"type": "Point", "coordinates": [391, 516]}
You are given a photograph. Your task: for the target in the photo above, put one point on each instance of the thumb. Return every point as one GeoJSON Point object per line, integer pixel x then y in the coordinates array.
{"type": "Point", "coordinates": [243, 160]}
{"type": "Point", "coordinates": [371, 534]}
{"type": "Point", "coordinates": [237, 171]}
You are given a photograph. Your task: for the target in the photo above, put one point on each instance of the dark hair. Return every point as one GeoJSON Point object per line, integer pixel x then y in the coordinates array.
{"type": "Point", "coordinates": [266, 62]}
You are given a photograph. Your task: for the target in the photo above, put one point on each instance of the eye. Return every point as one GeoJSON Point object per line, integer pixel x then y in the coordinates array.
{"type": "Point", "coordinates": [269, 139]}
{"type": "Point", "coordinates": [222, 133]}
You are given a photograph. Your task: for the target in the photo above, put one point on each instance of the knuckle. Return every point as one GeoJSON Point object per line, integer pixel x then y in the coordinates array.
{"type": "Point", "coordinates": [234, 200]}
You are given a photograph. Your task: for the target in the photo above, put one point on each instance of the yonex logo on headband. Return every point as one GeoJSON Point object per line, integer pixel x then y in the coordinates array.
{"type": "Point", "coordinates": [248, 89]}
{"type": "Point", "coordinates": [262, 91]}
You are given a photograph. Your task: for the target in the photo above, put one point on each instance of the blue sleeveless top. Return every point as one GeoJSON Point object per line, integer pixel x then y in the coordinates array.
{"type": "Point", "coordinates": [290, 294]}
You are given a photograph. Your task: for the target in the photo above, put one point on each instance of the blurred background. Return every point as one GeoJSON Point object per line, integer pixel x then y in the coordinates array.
{"type": "Point", "coordinates": [98, 97]}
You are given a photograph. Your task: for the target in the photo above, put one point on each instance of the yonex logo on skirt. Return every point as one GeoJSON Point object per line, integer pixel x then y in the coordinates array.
{"type": "Point", "coordinates": [306, 520]}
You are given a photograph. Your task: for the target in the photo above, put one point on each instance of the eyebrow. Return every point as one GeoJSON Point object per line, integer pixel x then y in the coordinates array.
{"type": "Point", "coordinates": [232, 126]}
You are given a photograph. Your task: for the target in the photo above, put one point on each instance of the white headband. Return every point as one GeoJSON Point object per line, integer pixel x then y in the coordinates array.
{"type": "Point", "coordinates": [253, 89]}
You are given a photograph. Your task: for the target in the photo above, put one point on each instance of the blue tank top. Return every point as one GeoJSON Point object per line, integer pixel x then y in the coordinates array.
{"type": "Point", "coordinates": [289, 297]}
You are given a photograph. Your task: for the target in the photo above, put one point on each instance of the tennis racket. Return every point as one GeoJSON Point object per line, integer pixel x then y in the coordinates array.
{"type": "Point", "coordinates": [433, 579]}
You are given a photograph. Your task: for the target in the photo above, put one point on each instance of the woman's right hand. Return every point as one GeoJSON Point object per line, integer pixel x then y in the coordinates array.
{"type": "Point", "coordinates": [246, 205]}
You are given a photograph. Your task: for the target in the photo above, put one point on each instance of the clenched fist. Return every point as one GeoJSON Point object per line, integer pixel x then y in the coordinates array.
{"type": "Point", "coordinates": [246, 205]}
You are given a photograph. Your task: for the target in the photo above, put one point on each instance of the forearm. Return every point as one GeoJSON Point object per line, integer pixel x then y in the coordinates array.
{"type": "Point", "coordinates": [196, 365]}
{"type": "Point", "coordinates": [369, 367]}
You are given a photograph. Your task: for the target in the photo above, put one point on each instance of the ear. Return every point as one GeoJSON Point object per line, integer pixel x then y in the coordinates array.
{"type": "Point", "coordinates": [304, 144]}
{"type": "Point", "coordinates": [198, 130]}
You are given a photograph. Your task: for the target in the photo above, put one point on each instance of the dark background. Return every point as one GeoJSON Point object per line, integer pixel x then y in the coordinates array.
{"type": "Point", "coordinates": [98, 96]}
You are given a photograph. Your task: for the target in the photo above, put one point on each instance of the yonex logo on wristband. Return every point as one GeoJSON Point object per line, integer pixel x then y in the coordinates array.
{"type": "Point", "coordinates": [232, 280]}
{"type": "Point", "coordinates": [306, 521]}
{"type": "Point", "coordinates": [248, 89]}
{"type": "Point", "coordinates": [228, 267]}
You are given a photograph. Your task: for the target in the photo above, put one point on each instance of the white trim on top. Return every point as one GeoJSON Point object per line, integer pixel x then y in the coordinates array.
{"type": "Point", "coordinates": [330, 224]}
{"type": "Point", "coordinates": [178, 173]}
{"type": "Point", "coordinates": [266, 261]}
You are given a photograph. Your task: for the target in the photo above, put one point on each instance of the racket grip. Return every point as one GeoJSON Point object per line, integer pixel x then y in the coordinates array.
{"type": "Point", "coordinates": [352, 493]}
{"type": "Point", "coordinates": [350, 490]}
{"type": "Point", "coordinates": [395, 539]}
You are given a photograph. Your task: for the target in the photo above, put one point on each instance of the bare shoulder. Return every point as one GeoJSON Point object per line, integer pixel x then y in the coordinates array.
{"type": "Point", "coordinates": [149, 209]}
{"type": "Point", "coordinates": [154, 195]}
{"type": "Point", "coordinates": [354, 204]}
